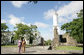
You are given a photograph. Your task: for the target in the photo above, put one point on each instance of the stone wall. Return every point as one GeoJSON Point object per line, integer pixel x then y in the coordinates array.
{"type": "Point", "coordinates": [55, 41]}
{"type": "Point", "coordinates": [69, 40]}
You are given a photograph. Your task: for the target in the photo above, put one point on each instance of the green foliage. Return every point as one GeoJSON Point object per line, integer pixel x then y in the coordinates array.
{"type": "Point", "coordinates": [3, 26]}
{"type": "Point", "coordinates": [48, 42]}
{"type": "Point", "coordinates": [23, 29]}
{"type": "Point", "coordinates": [68, 48]}
{"type": "Point", "coordinates": [9, 45]}
{"type": "Point", "coordinates": [81, 13]}
{"type": "Point", "coordinates": [4, 38]}
{"type": "Point", "coordinates": [75, 28]}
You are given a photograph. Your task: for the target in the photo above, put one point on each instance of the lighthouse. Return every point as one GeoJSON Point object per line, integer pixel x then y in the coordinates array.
{"type": "Point", "coordinates": [55, 25]}
{"type": "Point", "coordinates": [55, 21]}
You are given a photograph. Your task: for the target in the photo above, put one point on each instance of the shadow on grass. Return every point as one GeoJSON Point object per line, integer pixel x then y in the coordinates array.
{"type": "Point", "coordinates": [80, 46]}
{"type": "Point", "coordinates": [76, 53]}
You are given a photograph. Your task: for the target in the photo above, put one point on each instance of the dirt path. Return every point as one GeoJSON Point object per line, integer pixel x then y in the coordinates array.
{"type": "Point", "coordinates": [37, 50]}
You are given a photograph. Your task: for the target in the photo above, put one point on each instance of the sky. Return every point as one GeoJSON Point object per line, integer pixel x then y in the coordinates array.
{"type": "Point", "coordinates": [40, 14]}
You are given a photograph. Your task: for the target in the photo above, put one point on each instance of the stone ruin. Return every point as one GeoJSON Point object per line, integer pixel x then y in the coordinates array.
{"type": "Point", "coordinates": [70, 41]}
{"type": "Point", "coordinates": [55, 41]}
{"type": "Point", "coordinates": [65, 40]}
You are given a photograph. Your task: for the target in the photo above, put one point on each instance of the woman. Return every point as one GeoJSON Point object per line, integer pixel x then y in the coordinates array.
{"type": "Point", "coordinates": [23, 45]}
{"type": "Point", "coordinates": [19, 44]}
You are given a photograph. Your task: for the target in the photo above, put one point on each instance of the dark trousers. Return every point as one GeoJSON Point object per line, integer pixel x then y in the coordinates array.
{"type": "Point", "coordinates": [19, 49]}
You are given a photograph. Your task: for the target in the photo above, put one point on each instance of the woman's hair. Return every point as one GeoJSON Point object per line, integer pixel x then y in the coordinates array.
{"type": "Point", "coordinates": [23, 39]}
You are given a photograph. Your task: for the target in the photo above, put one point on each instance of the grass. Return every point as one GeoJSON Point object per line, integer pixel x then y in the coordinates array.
{"type": "Point", "coordinates": [9, 46]}
{"type": "Point", "coordinates": [69, 48]}
{"type": "Point", "coordinates": [13, 46]}
{"type": "Point", "coordinates": [57, 48]}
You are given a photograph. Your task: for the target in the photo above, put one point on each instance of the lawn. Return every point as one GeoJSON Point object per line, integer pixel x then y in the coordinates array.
{"type": "Point", "coordinates": [69, 48]}
{"type": "Point", "coordinates": [13, 46]}
{"type": "Point", "coordinates": [9, 46]}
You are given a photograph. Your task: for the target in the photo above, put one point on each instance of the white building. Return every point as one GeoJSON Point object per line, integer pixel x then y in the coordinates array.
{"type": "Point", "coordinates": [37, 41]}
{"type": "Point", "coordinates": [9, 36]}
{"type": "Point", "coordinates": [6, 37]}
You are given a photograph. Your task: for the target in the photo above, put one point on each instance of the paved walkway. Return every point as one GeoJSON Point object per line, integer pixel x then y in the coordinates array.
{"type": "Point", "coordinates": [37, 50]}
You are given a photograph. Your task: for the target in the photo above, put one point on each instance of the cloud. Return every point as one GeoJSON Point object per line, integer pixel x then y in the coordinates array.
{"type": "Point", "coordinates": [49, 14]}
{"type": "Point", "coordinates": [47, 34]}
{"type": "Point", "coordinates": [16, 20]}
{"type": "Point", "coordinates": [71, 8]}
{"type": "Point", "coordinates": [41, 25]}
{"type": "Point", "coordinates": [3, 21]}
{"type": "Point", "coordinates": [62, 20]}
{"type": "Point", "coordinates": [65, 12]}
{"type": "Point", "coordinates": [60, 32]}
{"type": "Point", "coordinates": [69, 11]}
{"type": "Point", "coordinates": [18, 4]}
{"type": "Point", "coordinates": [29, 24]}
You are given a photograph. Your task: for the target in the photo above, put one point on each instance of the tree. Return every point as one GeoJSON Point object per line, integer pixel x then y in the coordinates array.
{"type": "Point", "coordinates": [4, 38]}
{"type": "Point", "coordinates": [3, 27]}
{"type": "Point", "coordinates": [75, 28]}
{"type": "Point", "coordinates": [34, 30]}
{"type": "Point", "coordinates": [48, 42]}
{"type": "Point", "coordinates": [23, 30]}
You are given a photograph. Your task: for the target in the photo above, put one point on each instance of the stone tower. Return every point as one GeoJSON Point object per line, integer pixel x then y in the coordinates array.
{"type": "Point", "coordinates": [55, 41]}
